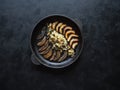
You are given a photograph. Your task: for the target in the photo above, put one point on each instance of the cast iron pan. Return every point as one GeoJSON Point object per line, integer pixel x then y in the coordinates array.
{"type": "Point", "coordinates": [37, 58]}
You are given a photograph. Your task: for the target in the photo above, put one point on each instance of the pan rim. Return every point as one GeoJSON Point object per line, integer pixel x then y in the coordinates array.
{"type": "Point", "coordinates": [71, 62]}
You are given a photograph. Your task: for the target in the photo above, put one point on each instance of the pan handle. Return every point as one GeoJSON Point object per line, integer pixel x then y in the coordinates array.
{"type": "Point", "coordinates": [34, 60]}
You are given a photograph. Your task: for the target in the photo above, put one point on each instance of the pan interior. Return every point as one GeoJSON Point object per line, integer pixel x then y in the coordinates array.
{"type": "Point", "coordinates": [37, 31]}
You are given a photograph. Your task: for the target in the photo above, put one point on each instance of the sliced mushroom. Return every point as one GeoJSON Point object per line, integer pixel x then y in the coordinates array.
{"type": "Point", "coordinates": [57, 56]}
{"type": "Point", "coordinates": [63, 56]}
{"type": "Point", "coordinates": [61, 28]}
{"type": "Point", "coordinates": [41, 42]}
{"type": "Point", "coordinates": [44, 46]}
{"type": "Point", "coordinates": [57, 27]}
{"type": "Point", "coordinates": [74, 45]}
{"type": "Point", "coordinates": [46, 50]}
{"type": "Point", "coordinates": [73, 40]}
{"type": "Point", "coordinates": [54, 25]}
{"type": "Point", "coordinates": [67, 28]}
{"type": "Point", "coordinates": [69, 32]}
{"type": "Point", "coordinates": [72, 36]}
{"type": "Point", "coordinates": [53, 55]}
{"type": "Point", "coordinates": [48, 55]}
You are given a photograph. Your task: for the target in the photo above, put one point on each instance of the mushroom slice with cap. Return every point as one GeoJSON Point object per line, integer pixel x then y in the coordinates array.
{"type": "Point", "coordinates": [54, 25]}
{"type": "Point", "coordinates": [73, 40]}
{"type": "Point", "coordinates": [69, 32]}
{"type": "Point", "coordinates": [66, 28]}
{"type": "Point", "coordinates": [74, 45]}
{"type": "Point", "coordinates": [72, 36]}
{"type": "Point", "coordinates": [61, 28]}
{"type": "Point", "coordinates": [57, 27]}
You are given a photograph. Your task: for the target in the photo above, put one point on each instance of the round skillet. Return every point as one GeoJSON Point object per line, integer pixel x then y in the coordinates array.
{"type": "Point", "coordinates": [37, 30]}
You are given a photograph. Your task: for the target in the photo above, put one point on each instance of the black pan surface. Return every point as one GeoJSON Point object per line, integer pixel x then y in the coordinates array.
{"type": "Point", "coordinates": [38, 30]}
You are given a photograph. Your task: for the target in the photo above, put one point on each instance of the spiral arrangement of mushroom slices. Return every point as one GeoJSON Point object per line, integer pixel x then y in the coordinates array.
{"type": "Point", "coordinates": [59, 42]}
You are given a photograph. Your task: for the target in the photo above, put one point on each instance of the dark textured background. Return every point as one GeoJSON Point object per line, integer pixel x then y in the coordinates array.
{"type": "Point", "coordinates": [98, 68]}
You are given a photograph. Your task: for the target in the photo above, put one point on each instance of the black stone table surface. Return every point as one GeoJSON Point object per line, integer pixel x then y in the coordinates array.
{"type": "Point", "coordinates": [98, 67]}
